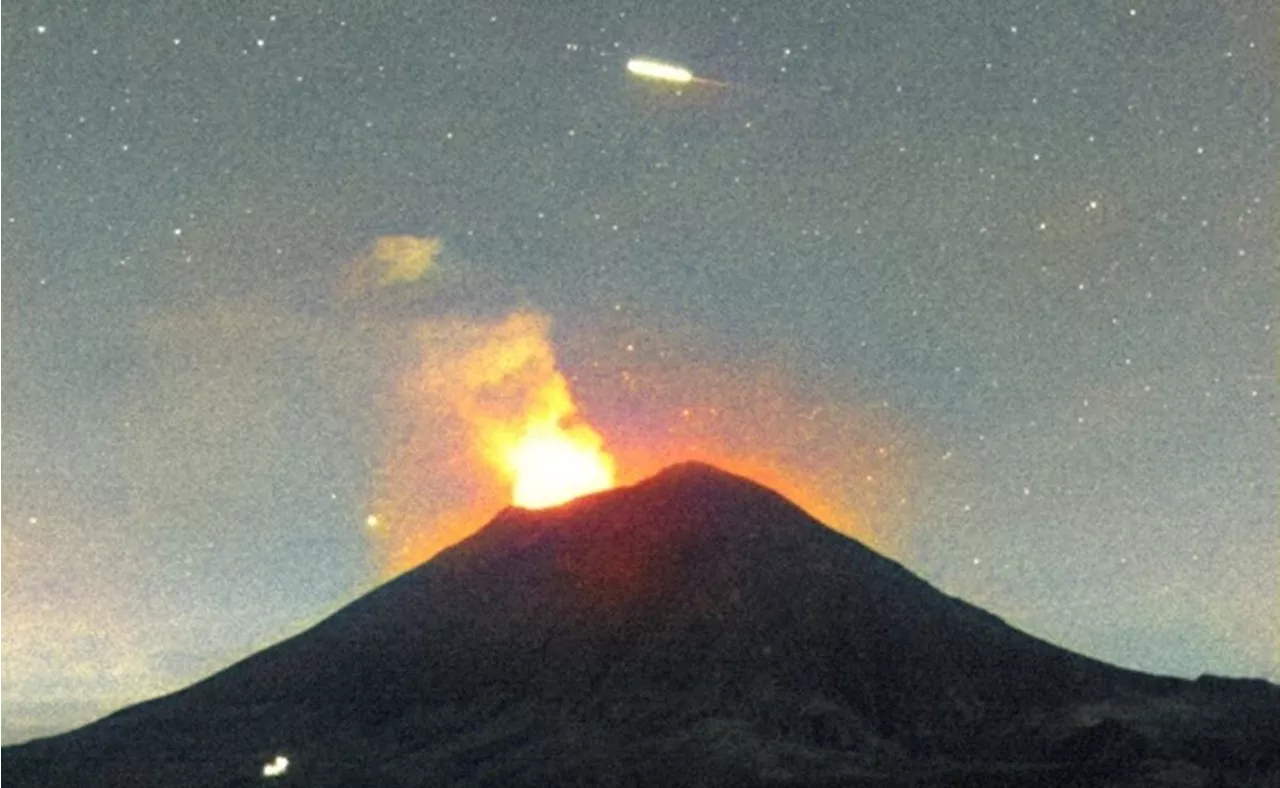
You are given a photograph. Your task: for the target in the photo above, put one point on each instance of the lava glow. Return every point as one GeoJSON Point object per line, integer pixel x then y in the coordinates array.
{"type": "Point", "coordinates": [551, 465]}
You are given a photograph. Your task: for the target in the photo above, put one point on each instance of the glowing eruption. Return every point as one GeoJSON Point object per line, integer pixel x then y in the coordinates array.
{"type": "Point", "coordinates": [656, 69]}
{"type": "Point", "coordinates": [551, 465]}
{"type": "Point", "coordinates": [485, 407]}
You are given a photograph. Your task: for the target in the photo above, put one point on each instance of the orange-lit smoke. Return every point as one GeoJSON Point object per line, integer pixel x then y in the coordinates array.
{"type": "Point", "coordinates": [485, 418]}
{"type": "Point", "coordinates": [511, 393]}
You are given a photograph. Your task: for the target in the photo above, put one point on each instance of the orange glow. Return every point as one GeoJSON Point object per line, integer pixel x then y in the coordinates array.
{"type": "Point", "coordinates": [551, 465]}
{"type": "Point", "coordinates": [825, 496]}
{"type": "Point", "coordinates": [850, 461]}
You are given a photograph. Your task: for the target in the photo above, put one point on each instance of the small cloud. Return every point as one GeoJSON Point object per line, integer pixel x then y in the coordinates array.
{"type": "Point", "coordinates": [391, 260]}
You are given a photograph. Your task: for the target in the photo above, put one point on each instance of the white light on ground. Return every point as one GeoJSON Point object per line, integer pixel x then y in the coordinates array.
{"type": "Point", "coordinates": [276, 767]}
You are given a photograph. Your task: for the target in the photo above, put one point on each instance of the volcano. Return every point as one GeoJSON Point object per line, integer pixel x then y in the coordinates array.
{"type": "Point", "coordinates": [694, 629]}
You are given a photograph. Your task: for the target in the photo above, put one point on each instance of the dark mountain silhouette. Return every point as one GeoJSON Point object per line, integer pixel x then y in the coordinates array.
{"type": "Point", "coordinates": [695, 629]}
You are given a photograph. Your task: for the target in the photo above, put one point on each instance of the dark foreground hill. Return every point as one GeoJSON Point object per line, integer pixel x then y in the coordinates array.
{"type": "Point", "coordinates": [696, 629]}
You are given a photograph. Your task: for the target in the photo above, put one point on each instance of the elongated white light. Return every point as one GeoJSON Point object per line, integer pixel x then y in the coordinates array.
{"type": "Point", "coordinates": [656, 69]}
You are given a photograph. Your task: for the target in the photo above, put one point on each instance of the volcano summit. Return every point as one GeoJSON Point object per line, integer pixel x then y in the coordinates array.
{"type": "Point", "coordinates": [696, 628]}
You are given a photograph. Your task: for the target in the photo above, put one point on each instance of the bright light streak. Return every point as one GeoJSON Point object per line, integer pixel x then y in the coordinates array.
{"type": "Point", "coordinates": [656, 69]}
{"type": "Point", "coordinates": [276, 767]}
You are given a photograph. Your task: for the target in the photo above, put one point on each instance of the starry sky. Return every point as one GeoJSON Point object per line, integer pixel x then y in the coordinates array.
{"type": "Point", "coordinates": [992, 286]}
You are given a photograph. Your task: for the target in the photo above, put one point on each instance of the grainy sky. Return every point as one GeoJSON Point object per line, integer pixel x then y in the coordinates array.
{"type": "Point", "coordinates": [991, 285]}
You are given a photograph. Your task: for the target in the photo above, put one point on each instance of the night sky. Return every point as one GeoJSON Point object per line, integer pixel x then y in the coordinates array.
{"type": "Point", "coordinates": [992, 286]}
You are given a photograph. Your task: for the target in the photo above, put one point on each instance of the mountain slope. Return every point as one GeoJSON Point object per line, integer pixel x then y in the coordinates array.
{"type": "Point", "coordinates": [695, 628]}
